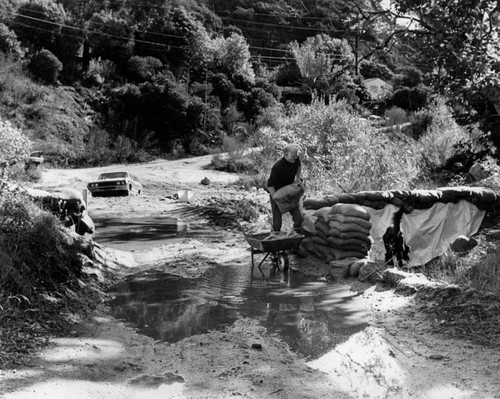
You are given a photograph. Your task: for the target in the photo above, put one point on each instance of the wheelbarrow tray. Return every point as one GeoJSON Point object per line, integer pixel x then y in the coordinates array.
{"type": "Point", "coordinates": [257, 242]}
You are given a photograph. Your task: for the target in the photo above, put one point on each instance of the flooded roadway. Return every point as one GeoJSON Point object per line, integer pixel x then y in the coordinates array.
{"type": "Point", "coordinates": [323, 321]}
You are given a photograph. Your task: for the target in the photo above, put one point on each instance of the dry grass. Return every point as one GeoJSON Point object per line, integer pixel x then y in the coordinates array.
{"type": "Point", "coordinates": [473, 311]}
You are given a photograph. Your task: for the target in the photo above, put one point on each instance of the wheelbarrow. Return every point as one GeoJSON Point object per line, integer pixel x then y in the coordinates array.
{"type": "Point", "coordinates": [275, 247]}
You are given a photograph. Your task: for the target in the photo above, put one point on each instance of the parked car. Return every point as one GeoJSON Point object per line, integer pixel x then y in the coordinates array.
{"type": "Point", "coordinates": [115, 183]}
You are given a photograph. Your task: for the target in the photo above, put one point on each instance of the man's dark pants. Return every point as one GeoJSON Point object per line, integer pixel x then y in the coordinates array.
{"type": "Point", "coordinates": [297, 217]}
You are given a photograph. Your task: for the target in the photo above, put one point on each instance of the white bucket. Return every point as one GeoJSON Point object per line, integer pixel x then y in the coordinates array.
{"type": "Point", "coordinates": [185, 196]}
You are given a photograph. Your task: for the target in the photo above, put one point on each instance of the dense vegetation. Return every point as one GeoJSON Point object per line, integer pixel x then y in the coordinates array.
{"type": "Point", "coordinates": [175, 77]}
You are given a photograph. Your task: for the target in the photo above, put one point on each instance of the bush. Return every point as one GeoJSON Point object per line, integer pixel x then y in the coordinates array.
{"type": "Point", "coordinates": [14, 147]}
{"type": "Point", "coordinates": [35, 251]}
{"type": "Point", "coordinates": [439, 143]}
{"type": "Point", "coordinates": [142, 69]}
{"type": "Point", "coordinates": [339, 151]}
{"type": "Point", "coordinates": [46, 66]}
{"type": "Point", "coordinates": [396, 116]}
{"type": "Point", "coordinates": [9, 43]}
{"type": "Point", "coordinates": [410, 99]}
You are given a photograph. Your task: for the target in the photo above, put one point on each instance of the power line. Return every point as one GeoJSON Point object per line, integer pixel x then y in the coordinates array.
{"type": "Point", "coordinates": [286, 26]}
{"type": "Point", "coordinates": [87, 30]}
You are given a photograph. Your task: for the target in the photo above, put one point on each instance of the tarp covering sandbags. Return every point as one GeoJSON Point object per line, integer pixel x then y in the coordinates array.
{"type": "Point", "coordinates": [428, 232]}
{"type": "Point", "coordinates": [439, 216]}
{"type": "Point", "coordinates": [484, 198]}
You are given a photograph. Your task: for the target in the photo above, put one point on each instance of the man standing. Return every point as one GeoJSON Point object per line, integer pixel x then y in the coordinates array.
{"type": "Point", "coordinates": [284, 172]}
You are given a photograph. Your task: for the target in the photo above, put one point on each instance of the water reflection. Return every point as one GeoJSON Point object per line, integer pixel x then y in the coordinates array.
{"type": "Point", "coordinates": [366, 366]}
{"type": "Point", "coordinates": [311, 316]}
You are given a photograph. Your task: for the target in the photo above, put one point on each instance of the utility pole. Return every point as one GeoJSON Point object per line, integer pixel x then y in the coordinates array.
{"type": "Point", "coordinates": [356, 45]}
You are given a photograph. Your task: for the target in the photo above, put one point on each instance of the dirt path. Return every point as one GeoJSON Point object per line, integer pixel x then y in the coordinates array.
{"type": "Point", "coordinates": [398, 355]}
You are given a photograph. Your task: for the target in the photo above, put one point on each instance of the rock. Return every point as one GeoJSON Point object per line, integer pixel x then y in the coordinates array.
{"type": "Point", "coordinates": [463, 244]}
{"type": "Point", "coordinates": [356, 266]}
{"type": "Point", "coordinates": [205, 181]}
{"type": "Point", "coordinates": [436, 356]}
{"type": "Point", "coordinates": [257, 346]}
{"type": "Point", "coordinates": [371, 272]}
{"type": "Point", "coordinates": [478, 172]}
{"type": "Point", "coordinates": [412, 283]}
{"type": "Point", "coordinates": [393, 276]}
{"type": "Point", "coordinates": [340, 268]}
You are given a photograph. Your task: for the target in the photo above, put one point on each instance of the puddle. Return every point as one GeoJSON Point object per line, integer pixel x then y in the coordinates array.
{"type": "Point", "coordinates": [311, 316]}
{"type": "Point", "coordinates": [145, 232]}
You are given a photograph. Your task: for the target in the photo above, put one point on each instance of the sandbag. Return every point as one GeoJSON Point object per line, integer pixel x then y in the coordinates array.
{"type": "Point", "coordinates": [314, 203]}
{"type": "Point", "coordinates": [376, 196]}
{"type": "Point", "coordinates": [323, 213]}
{"type": "Point", "coordinates": [347, 245]}
{"type": "Point", "coordinates": [350, 210]}
{"type": "Point", "coordinates": [351, 219]}
{"type": "Point", "coordinates": [322, 227]}
{"type": "Point", "coordinates": [349, 235]}
{"type": "Point", "coordinates": [319, 240]}
{"type": "Point", "coordinates": [309, 221]}
{"type": "Point", "coordinates": [325, 251]}
{"type": "Point", "coordinates": [426, 196]}
{"type": "Point", "coordinates": [307, 245]}
{"type": "Point", "coordinates": [349, 227]}
{"type": "Point", "coordinates": [345, 198]}
{"type": "Point", "coordinates": [288, 197]}
{"type": "Point", "coordinates": [347, 254]}
{"type": "Point", "coordinates": [321, 202]}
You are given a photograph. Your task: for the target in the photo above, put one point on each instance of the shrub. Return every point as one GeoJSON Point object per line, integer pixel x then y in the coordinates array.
{"type": "Point", "coordinates": [340, 151]}
{"type": "Point", "coordinates": [14, 147]}
{"type": "Point", "coordinates": [9, 43]}
{"type": "Point", "coordinates": [396, 116]}
{"type": "Point", "coordinates": [46, 66]}
{"type": "Point", "coordinates": [35, 251]}
{"type": "Point", "coordinates": [442, 135]}
{"type": "Point", "coordinates": [478, 270]}
{"type": "Point", "coordinates": [141, 69]}
{"type": "Point", "coordinates": [410, 99]}
{"type": "Point", "coordinates": [100, 71]}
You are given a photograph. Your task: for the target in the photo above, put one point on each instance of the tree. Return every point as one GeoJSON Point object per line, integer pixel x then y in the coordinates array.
{"type": "Point", "coordinates": [111, 37]}
{"type": "Point", "coordinates": [408, 77]}
{"type": "Point", "coordinates": [142, 69]}
{"type": "Point", "coordinates": [232, 56]}
{"type": "Point", "coordinates": [9, 43]}
{"type": "Point", "coordinates": [38, 23]}
{"type": "Point", "coordinates": [46, 66]}
{"type": "Point", "coordinates": [372, 69]}
{"type": "Point", "coordinates": [321, 57]}
{"type": "Point", "coordinates": [459, 40]}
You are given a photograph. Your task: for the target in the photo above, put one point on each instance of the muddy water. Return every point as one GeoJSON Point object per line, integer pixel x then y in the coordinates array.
{"type": "Point", "coordinates": [311, 316]}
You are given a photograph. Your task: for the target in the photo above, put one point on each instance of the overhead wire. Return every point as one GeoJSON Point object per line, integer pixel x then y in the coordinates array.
{"type": "Point", "coordinates": [270, 49]}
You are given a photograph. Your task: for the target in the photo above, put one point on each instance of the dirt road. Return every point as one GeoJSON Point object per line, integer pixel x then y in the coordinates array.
{"type": "Point", "coordinates": [397, 354]}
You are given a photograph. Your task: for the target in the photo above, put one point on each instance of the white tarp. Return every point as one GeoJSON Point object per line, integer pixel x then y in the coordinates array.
{"type": "Point", "coordinates": [428, 232]}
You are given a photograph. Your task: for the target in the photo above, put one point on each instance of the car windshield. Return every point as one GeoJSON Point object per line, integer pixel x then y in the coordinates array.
{"type": "Point", "coordinates": [112, 175]}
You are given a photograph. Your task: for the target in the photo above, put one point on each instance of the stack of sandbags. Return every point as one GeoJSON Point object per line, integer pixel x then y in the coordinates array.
{"type": "Point", "coordinates": [341, 231]}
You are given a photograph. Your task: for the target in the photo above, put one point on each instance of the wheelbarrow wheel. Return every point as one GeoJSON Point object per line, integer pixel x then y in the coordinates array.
{"type": "Point", "coordinates": [283, 262]}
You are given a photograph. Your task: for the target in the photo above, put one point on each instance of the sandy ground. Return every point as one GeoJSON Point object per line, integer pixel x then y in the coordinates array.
{"type": "Point", "coordinates": [398, 354]}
